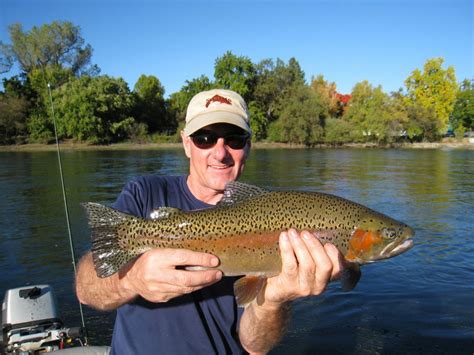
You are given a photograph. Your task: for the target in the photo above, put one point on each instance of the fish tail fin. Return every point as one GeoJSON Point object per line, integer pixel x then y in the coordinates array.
{"type": "Point", "coordinates": [107, 252]}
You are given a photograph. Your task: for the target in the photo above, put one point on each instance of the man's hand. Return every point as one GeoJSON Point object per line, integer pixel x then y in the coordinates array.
{"type": "Point", "coordinates": [156, 276]}
{"type": "Point", "coordinates": [307, 268]}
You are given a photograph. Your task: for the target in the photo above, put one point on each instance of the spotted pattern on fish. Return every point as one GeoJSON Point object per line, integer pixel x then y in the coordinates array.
{"type": "Point", "coordinates": [244, 235]}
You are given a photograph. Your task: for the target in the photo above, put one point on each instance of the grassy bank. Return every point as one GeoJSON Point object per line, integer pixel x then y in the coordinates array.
{"type": "Point", "coordinates": [451, 144]}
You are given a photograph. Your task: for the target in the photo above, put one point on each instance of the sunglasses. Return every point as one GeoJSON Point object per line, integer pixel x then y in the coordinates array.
{"type": "Point", "coordinates": [208, 139]}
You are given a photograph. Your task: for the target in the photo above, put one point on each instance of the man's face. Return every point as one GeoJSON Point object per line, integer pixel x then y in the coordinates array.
{"type": "Point", "coordinates": [211, 168]}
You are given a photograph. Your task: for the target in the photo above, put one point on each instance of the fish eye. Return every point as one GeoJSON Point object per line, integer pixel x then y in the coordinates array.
{"type": "Point", "coordinates": [389, 233]}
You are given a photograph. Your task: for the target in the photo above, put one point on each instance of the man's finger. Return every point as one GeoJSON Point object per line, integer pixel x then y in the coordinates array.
{"type": "Point", "coordinates": [337, 259]}
{"type": "Point", "coordinates": [306, 264]}
{"type": "Point", "coordinates": [183, 257]}
{"type": "Point", "coordinates": [185, 278]}
{"type": "Point", "coordinates": [321, 259]}
{"type": "Point", "coordinates": [288, 259]}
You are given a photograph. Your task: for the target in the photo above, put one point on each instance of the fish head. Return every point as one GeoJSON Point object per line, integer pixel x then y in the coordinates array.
{"type": "Point", "coordinates": [378, 237]}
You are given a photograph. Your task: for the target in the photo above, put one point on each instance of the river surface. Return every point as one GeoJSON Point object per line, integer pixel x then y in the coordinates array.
{"type": "Point", "coordinates": [419, 302]}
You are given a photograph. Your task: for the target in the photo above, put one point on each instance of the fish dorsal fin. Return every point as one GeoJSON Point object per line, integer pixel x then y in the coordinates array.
{"type": "Point", "coordinates": [163, 212]}
{"type": "Point", "coordinates": [236, 192]}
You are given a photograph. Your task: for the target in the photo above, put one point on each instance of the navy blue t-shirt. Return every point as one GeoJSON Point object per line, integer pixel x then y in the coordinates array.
{"type": "Point", "coordinates": [202, 322]}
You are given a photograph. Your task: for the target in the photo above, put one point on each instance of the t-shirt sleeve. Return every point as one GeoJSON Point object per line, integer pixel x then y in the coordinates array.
{"type": "Point", "coordinates": [130, 199]}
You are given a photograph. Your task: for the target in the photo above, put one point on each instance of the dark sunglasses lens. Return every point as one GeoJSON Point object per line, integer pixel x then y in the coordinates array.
{"type": "Point", "coordinates": [236, 141]}
{"type": "Point", "coordinates": [204, 140]}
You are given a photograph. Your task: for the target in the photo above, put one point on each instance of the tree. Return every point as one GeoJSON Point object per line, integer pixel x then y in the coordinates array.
{"type": "Point", "coordinates": [150, 104]}
{"type": "Point", "coordinates": [178, 101]}
{"type": "Point", "coordinates": [50, 54]}
{"type": "Point", "coordinates": [13, 110]}
{"type": "Point", "coordinates": [236, 73]}
{"type": "Point", "coordinates": [258, 121]}
{"type": "Point", "coordinates": [435, 88]}
{"type": "Point", "coordinates": [463, 112]}
{"type": "Point", "coordinates": [94, 109]}
{"type": "Point", "coordinates": [57, 44]}
{"type": "Point", "coordinates": [337, 131]}
{"type": "Point", "coordinates": [374, 115]}
{"type": "Point", "coordinates": [273, 85]}
{"type": "Point", "coordinates": [422, 123]}
{"type": "Point", "coordinates": [300, 118]}
{"type": "Point", "coordinates": [328, 94]}
{"type": "Point", "coordinates": [40, 125]}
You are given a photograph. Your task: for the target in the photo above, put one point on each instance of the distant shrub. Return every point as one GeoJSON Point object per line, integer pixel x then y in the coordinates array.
{"type": "Point", "coordinates": [337, 131]}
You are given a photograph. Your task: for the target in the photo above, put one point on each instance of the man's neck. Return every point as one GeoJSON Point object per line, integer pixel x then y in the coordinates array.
{"type": "Point", "coordinates": [206, 195]}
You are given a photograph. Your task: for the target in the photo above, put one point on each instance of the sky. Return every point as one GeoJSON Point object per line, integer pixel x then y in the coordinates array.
{"type": "Point", "coordinates": [347, 41]}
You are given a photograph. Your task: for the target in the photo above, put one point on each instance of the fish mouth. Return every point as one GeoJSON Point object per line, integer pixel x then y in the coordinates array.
{"type": "Point", "coordinates": [394, 249]}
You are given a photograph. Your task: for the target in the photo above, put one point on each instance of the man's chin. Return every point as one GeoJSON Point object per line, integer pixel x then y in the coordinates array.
{"type": "Point", "coordinates": [219, 184]}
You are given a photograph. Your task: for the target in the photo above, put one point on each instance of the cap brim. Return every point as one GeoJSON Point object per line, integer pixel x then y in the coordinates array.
{"type": "Point", "coordinates": [215, 117]}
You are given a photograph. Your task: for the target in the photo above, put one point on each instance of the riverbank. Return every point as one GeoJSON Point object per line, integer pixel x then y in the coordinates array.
{"type": "Point", "coordinates": [445, 144]}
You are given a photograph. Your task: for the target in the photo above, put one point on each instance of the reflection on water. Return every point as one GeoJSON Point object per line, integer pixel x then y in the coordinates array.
{"type": "Point", "coordinates": [418, 302]}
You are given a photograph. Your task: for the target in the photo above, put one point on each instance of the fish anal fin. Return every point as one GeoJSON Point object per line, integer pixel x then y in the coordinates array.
{"type": "Point", "coordinates": [247, 288]}
{"type": "Point", "coordinates": [350, 276]}
{"type": "Point", "coordinates": [163, 212]}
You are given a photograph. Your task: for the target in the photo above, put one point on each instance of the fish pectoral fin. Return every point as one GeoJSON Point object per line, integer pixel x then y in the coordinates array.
{"type": "Point", "coordinates": [350, 276]}
{"type": "Point", "coordinates": [163, 212]}
{"type": "Point", "coordinates": [247, 288]}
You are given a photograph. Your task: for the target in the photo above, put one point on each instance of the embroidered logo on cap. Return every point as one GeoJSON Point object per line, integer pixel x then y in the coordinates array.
{"type": "Point", "coordinates": [218, 98]}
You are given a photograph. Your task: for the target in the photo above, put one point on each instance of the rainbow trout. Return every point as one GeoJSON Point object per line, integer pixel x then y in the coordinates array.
{"type": "Point", "coordinates": [243, 229]}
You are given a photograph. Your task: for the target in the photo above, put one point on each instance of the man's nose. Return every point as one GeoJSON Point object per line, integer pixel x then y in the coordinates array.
{"type": "Point", "coordinates": [220, 149]}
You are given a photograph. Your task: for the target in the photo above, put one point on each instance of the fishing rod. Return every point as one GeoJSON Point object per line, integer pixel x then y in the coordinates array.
{"type": "Point", "coordinates": [66, 209]}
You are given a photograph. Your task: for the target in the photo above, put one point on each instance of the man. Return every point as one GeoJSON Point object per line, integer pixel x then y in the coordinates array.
{"type": "Point", "coordinates": [163, 308]}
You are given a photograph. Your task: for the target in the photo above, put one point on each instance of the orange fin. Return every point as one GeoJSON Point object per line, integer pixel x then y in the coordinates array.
{"type": "Point", "coordinates": [247, 288]}
{"type": "Point", "coordinates": [350, 277]}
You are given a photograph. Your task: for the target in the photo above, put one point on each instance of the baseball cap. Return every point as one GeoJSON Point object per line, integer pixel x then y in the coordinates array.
{"type": "Point", "coordinates": [216, 106]}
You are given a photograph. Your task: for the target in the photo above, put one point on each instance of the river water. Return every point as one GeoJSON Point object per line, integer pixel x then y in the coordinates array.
{"type": "Point", "coordinates": [419, 302]}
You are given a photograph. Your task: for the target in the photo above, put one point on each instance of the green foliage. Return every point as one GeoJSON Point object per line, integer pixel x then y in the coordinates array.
{"type": "Point", "coordinates": [274, 83]}
{"type": "Point", "coordinates": [258, 121]}
{"type": "Point", "coordinates": [301, 117]}
{"type": "Point", "coordinates": [435, 88]}
{"type": "Point", "coordinates": [12, 119]}
{"type": "Point", "coordinates": [150, 105]}
{"type": "Point", "coordinates": [463, 112]}
{"type": "Point", "coordinates": [40, 128]}
{"type": "Point", "coordinates": [282, 106]}
{"type": "Point", "coordinates": [459, 132]}
{"type": "Point", "coordinates": [50, 54]}
{"type": "Point", "coordinates": [56, 44]}
{"type": "Point", "coordinates": [94, 109]}
{"type": "Point", "coordinates": [236, 73]}
{"type": "Point", "coordinates": [326, 91]}
{"type": "Point", "coordinates": [178, 101]}
{"type": "Point", "coordinates": [337, 131]}
{"type": "Point", "coordinates": [422, 123]}
{"type": "Point", "coordinates": [275, 132]}
{"type": "Point", "coordinates": [376, 117]}
{"type": "Point", "coordinates": [138, 132]}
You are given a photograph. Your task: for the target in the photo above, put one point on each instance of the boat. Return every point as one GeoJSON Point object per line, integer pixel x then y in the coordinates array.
{"type": "Point", "coordinates": [31, 325]}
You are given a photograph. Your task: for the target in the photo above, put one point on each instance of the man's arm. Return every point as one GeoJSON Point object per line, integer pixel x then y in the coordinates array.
{"type": "Point", "coordinates": [153, 276]}
{"type": "Point", "coordinates": [307, 268]}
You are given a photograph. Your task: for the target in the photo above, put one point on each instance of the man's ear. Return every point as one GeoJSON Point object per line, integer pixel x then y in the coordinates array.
{"type": "Point", "coordinates": [186, 144]}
